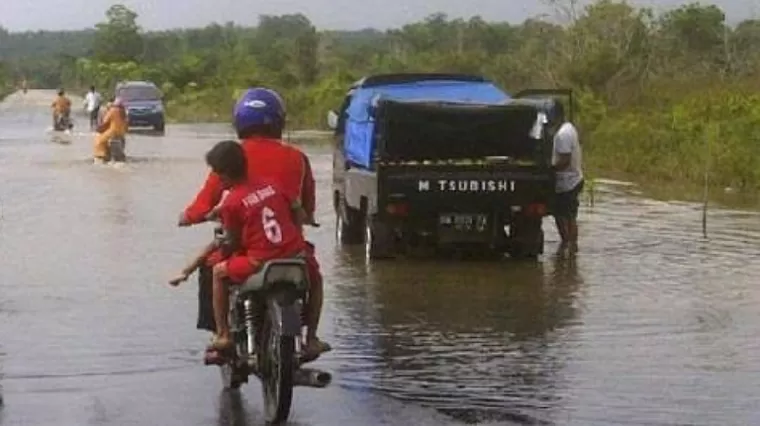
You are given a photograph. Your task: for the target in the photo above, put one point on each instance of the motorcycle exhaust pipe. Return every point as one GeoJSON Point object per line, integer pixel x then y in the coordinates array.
{"type": "Point", "coordinates": [312, 378]}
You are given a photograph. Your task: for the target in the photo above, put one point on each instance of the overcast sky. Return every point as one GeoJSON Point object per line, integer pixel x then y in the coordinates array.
{"type": "Point", "coordinates": [18, 15]}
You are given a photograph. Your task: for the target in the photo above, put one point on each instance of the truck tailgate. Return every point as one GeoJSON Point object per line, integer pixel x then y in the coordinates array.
{"type": "Point", "coordinates": [464, 187]}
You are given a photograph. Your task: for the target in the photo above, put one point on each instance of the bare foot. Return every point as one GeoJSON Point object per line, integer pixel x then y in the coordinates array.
{"type": "Point", "coordinates": [573, 248]}
{"type": "Point", "coordinates": [314, 348]}
{"type": "Point", "coordinates": [220, 343]}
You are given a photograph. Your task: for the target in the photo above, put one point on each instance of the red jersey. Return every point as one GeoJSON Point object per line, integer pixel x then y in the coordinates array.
{"type": "Point", "coordinates": [271, 160]}
{"type": "Point", "coordinates": [263, 217]}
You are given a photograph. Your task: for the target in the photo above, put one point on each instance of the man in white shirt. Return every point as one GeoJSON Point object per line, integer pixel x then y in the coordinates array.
{"type": "Point", "coordinates": [92, 104]}
{"type": "Point", "coordinates": [566, 161]}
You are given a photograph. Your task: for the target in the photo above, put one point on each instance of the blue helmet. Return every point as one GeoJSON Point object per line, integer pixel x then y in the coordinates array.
{"type": "Point", "coordinates": [258, 106]}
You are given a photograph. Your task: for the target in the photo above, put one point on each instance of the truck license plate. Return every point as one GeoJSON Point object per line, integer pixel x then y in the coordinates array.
{"type": "Point", "coordinates": [463, 221]}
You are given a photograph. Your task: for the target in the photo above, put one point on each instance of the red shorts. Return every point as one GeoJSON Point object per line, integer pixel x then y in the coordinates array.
{"type": "Point", "coordinates": [239, 268]}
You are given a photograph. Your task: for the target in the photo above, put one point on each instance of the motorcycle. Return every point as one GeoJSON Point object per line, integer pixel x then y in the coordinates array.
{"type": "Point", "coordinates": [266, 323]}
{"type": "Point", "coordinates": [62, 122]}
{"type": "Point", "coordinates": [116, 150]}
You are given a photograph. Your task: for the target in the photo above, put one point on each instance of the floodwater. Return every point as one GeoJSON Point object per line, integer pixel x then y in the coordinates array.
{"type": "Point", "coordinates": [649, 325]}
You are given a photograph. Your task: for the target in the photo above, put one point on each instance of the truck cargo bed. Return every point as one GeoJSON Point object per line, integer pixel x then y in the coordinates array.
{"type": "Point", "coordinates": [424, 131]}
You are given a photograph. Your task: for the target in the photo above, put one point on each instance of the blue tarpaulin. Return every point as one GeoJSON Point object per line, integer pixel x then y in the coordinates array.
{"type": "Point", "coordinates": [360, 125]}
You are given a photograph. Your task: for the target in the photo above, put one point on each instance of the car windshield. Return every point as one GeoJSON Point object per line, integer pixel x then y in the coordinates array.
{"type": "Point", "coordinates": [139, 93]}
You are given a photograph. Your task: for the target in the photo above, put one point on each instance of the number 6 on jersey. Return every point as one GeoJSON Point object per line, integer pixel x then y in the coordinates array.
{"type": "Point", "coordinates": [272, 228]}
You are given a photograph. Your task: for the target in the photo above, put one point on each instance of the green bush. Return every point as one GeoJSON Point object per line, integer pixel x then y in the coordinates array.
{"type": "Point", "coordinates": [718, 128]}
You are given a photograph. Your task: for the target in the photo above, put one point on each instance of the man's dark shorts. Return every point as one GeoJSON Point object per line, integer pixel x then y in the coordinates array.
{"type": "Point", "coordinates": [205, 299]}
{"type": "Point", "coordinates": [94, 117]}
{"type": "Point", "coordinates": [566, 203]}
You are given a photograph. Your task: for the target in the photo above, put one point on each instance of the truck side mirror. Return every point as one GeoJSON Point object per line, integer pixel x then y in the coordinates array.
{"type": "Point", "coordinates": [332, 120]}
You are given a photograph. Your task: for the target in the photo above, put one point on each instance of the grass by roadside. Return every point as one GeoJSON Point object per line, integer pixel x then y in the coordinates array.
{"type": "Point", "coordinates": [5, 91]}
{"type": "Point", "coordinates": [718, 195]}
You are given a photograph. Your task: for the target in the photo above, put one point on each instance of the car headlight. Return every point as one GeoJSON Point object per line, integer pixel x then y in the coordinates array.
{"type": "Point", "coordinates": [158, 108]}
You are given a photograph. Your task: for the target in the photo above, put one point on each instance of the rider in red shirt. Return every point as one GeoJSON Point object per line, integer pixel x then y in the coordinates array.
{"type": "Point", "coordinates": [262, 223]}
{"type": "Point", "coordinates": [259, 119]}
{"type": "Point", "coordinates": [271, 158]}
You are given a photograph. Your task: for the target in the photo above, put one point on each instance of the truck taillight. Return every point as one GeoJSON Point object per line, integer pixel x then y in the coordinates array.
{"type": "Point", "coordinates": [535, 209]}
{"type": "Point", "coordinates": [397, 209]}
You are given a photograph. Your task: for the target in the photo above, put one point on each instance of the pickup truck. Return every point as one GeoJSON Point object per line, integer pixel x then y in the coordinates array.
{"type": "Point", "coordinates": [444, 160]}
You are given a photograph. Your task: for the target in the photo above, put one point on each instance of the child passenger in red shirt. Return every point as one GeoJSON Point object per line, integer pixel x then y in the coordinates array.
{"type": "Point", "coordinates": [264, 223]}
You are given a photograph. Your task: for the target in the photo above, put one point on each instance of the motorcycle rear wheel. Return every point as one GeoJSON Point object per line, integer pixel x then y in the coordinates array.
{"type": "Point", "coordinates": [116, 150]}
{"type": "Point", "coordinates": [279, 358]}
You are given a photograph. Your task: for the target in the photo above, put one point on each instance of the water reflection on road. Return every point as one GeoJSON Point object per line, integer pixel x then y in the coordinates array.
{"type": "Point", "coordinates": [650, 324]}
{"type": "Point", "coordinates": [478, 341]}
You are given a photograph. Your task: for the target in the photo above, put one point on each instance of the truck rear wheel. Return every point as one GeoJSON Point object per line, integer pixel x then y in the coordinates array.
{"type": "Point", "coordinates": [378, 239]}
{"type": "Point", "coordinates": [160, 128]}
{"type": "Point", "coordinates": [349, 227]}
{"type": "Point", "coordinates": [527, 248]}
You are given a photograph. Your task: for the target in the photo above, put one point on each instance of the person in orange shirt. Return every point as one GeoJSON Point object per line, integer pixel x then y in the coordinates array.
{"type": "Point", "coordinates": [61, 111]}
{"type": "Point", "coordinates": [114, 125]}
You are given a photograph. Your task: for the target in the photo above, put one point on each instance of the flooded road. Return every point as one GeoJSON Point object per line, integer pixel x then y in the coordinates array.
{"type": "Point", "coordinates": [650, 325]}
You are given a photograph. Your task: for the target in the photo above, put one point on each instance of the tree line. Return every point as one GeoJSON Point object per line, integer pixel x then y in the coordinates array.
{"type": "Point", "coordinates": [653, 91]}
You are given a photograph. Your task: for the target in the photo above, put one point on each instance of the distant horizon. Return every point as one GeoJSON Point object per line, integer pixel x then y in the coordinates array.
{"type": "Point", "coordinates": [20, 17]}
{"type": "Point", "coordinates": [255, 22]}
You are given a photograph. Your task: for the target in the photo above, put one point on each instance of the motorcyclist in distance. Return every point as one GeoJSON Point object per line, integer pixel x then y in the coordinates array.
{"type": "Point", "coordinates": [61, 109]}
